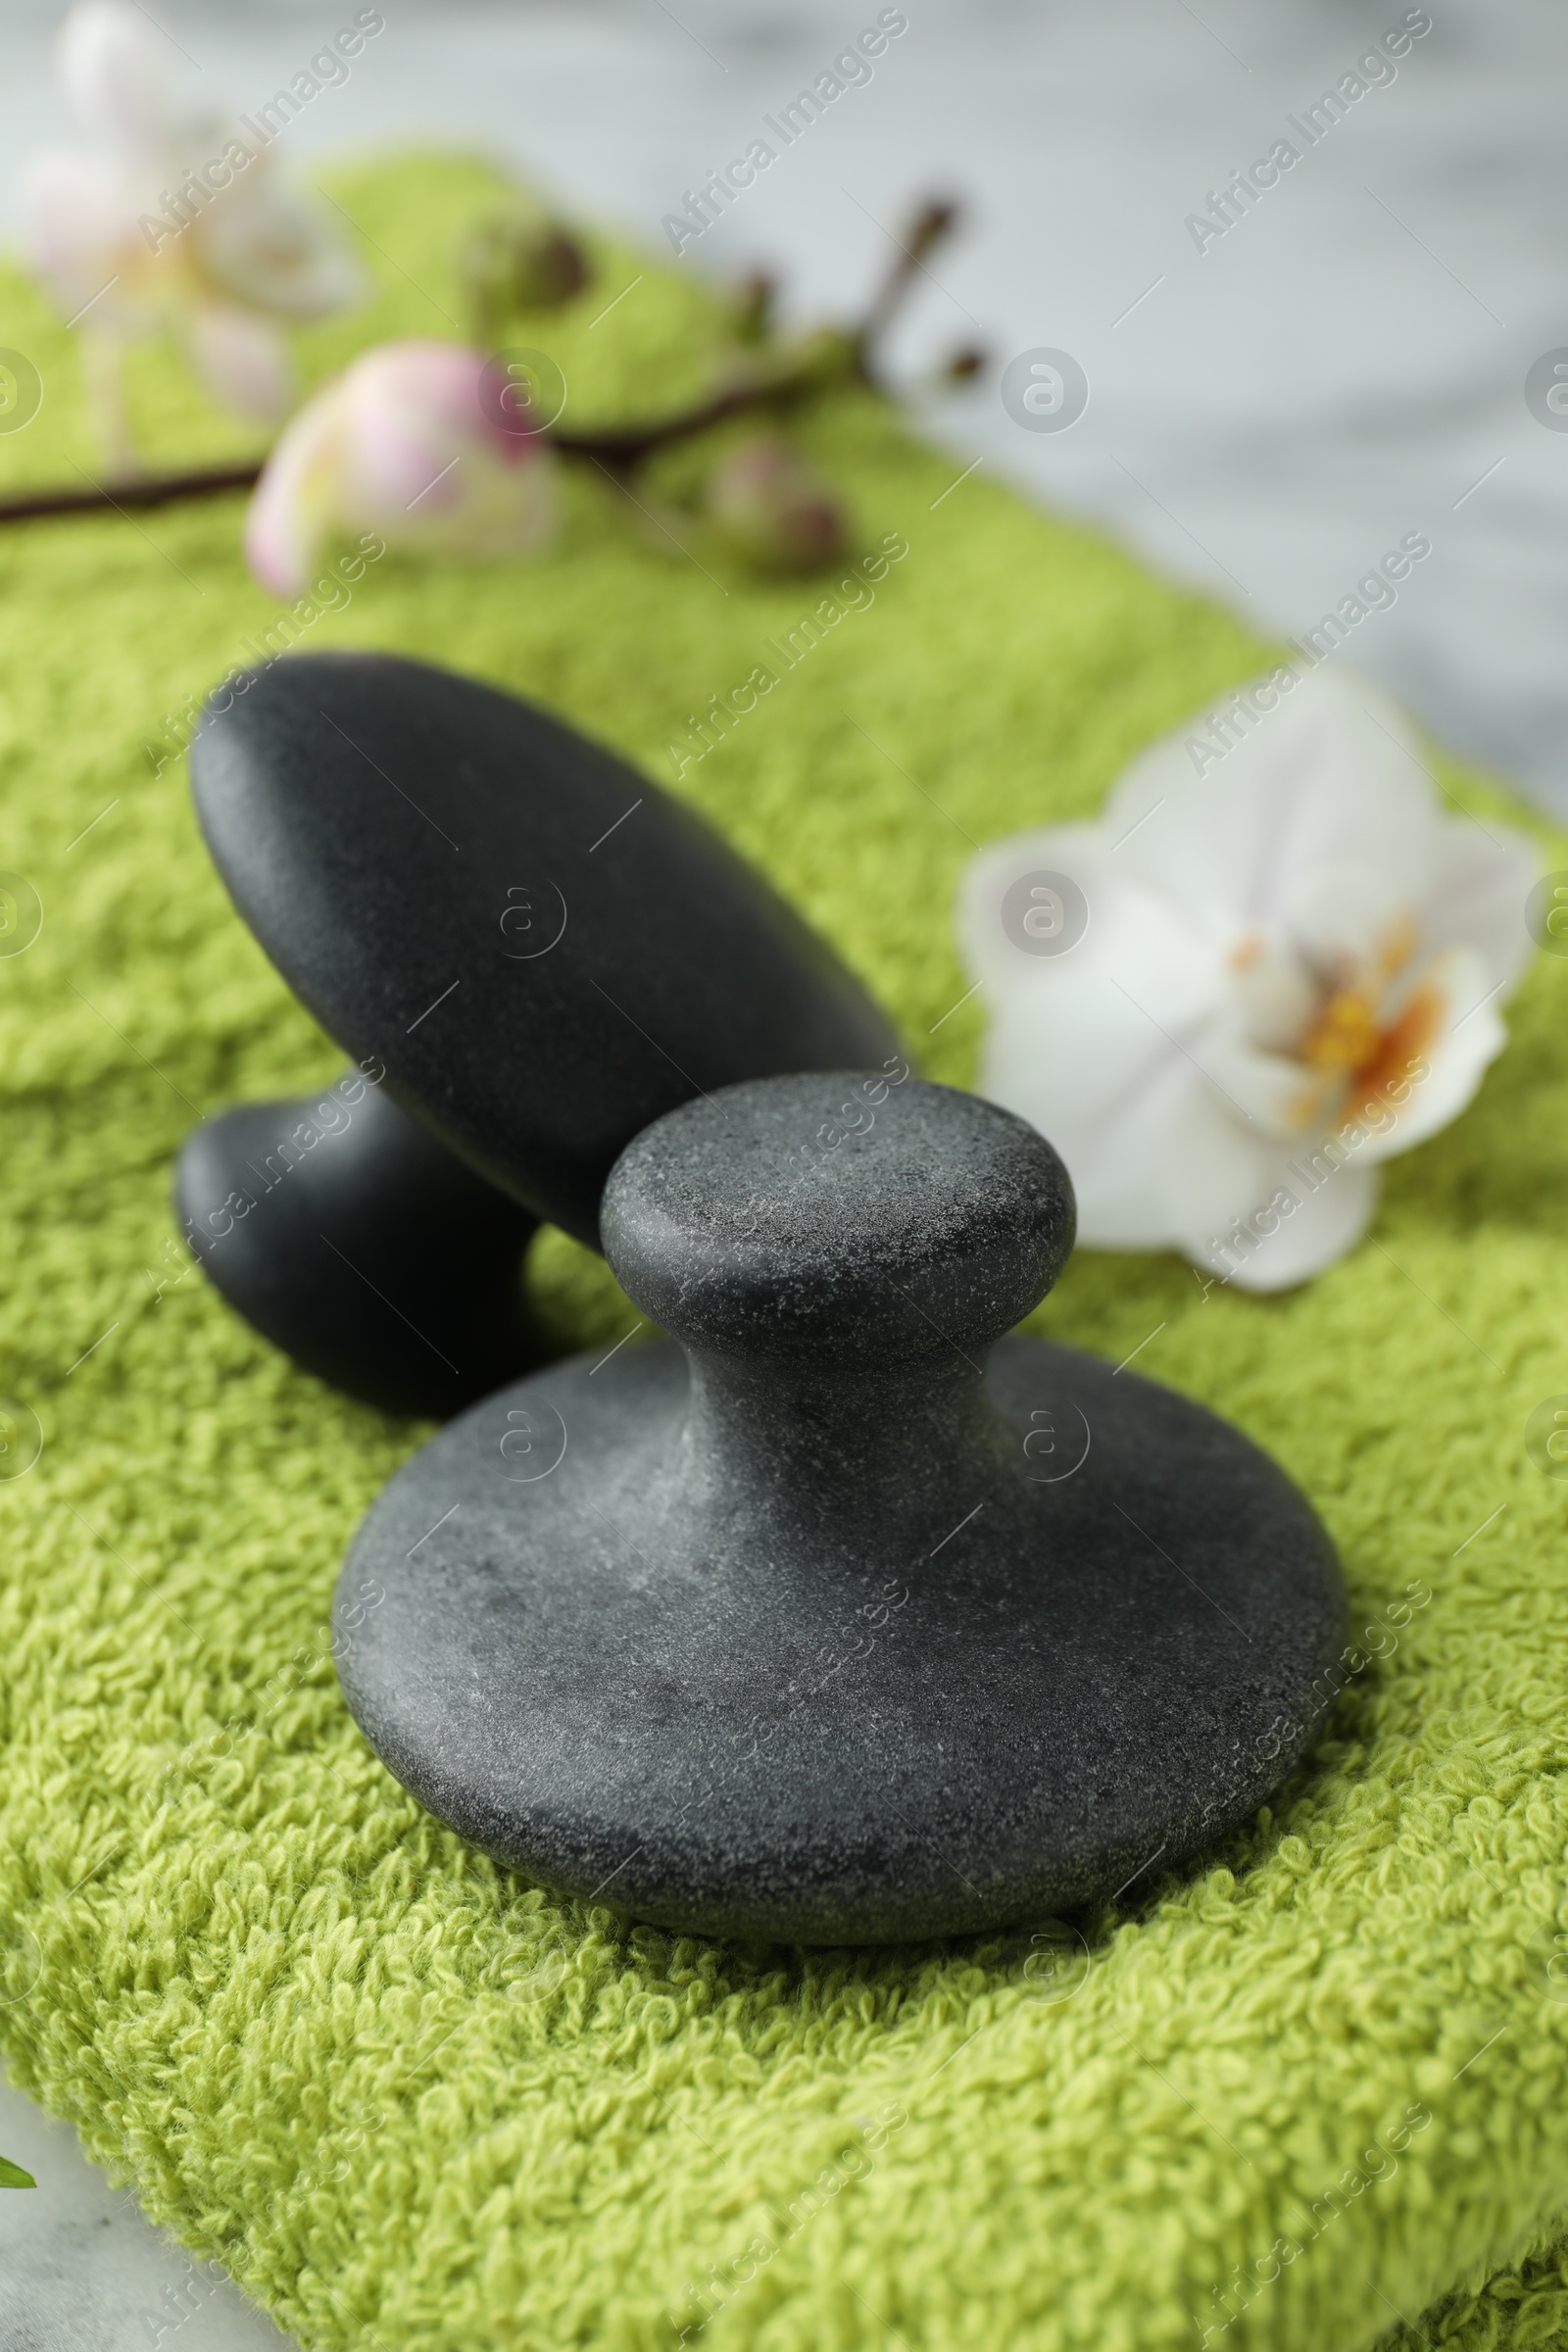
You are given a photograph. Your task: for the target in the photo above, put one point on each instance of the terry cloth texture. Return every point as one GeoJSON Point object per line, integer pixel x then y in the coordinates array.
{"type": "Point", "coordinates": [416, 2103]}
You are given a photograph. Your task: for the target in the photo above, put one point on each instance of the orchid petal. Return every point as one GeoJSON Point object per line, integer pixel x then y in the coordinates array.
{"type": "Point", "coordinates": [1331, 772]}
{"type": "Point", "coordinates": [1477, 895]}
{"type": "Point", "coordinates": [243, 359]}
{"type": "Point", "coordinates": [266, 247]}
{"type": "Point", "coordinates": [1451, 1062]}
{"type": "Point", "coordinates": [429, 462]}
{"type": "Point", "coordinates": [116, 70]}
{"type": "Point", "coordinates": [1332, 1212]}
{"type": "Point", "coordinates": [81, 242]}
{"type": "Point", "coordinates": [1104, 1133]}
{"type": "Point", "coordinates": [295, 502]}
{"type": "Point", "coordinates": [403, 442]}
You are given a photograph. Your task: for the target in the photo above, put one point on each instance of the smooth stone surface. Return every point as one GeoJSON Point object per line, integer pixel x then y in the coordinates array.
{"type": "Point", "coordinates": [546, 951]}
{"type": "Point", "coordinates": [348, 1236]}
{"type": "Point", "coordinates": [816, 1631]}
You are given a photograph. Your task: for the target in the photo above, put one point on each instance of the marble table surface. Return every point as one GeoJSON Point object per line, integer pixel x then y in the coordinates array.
{"type": "Point", "coordinates": [81, 2270]}
{"type": "Point", "coordinates": [1265, 415]}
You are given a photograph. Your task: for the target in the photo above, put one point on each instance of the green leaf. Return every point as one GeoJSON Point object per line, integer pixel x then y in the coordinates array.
{"type": "Point", "coordinates": [11, 2176]}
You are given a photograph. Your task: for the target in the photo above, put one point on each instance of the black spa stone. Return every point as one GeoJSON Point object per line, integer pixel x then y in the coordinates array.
{"type": "Point", "coordinates": [544, 950]}
{"type": "Point", "coordinates": [839, 1615]}
{"type": "Point", "coordinates": [345, 1234]}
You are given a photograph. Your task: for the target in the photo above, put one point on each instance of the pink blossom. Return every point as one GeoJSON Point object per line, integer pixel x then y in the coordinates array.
{"type": "Point", "coordinates": [415, 441]}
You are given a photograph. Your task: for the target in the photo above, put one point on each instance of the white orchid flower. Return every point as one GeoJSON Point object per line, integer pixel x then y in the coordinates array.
{"type": "Point", "coordinates": [423, 443]}
{"type": "Point", "coordinates": [1231, 997]}
{"type": "Point", "coordinates": [175, 219]}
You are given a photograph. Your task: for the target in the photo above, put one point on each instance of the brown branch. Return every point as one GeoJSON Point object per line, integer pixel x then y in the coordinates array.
{"type": "Point", "coordinates": [627, 446]}
{"type": "Point", "coordinates": [621, 451]}
{"type": "Point", "coordinates": [147, 490]}
{"type": "Point", "coordinates": [827, 358]}
{"type": "Point", "coordinates": [929, 226]}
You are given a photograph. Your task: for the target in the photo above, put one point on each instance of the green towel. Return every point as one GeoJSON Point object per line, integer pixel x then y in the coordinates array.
{"type": "Point", "coordinates": [415, 2103]}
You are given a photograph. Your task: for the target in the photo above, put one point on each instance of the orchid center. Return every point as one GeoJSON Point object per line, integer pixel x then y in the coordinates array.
{"type": "Point", "coordinates": [1343, 1035]}
{"type": "Point", "coordinates": [1352, 1038]}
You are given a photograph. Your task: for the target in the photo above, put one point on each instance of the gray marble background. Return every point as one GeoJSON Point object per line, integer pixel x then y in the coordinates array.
{"type": "Point", "coordinates": [1264, 418]}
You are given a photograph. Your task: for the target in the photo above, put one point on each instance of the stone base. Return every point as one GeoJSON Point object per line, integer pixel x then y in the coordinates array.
{"type": "Point", "coordinates": [871, 1712]}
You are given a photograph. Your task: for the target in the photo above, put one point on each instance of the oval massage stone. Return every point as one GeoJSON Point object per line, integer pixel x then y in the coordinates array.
{"type": "Point", "coordinates": [544, 950]}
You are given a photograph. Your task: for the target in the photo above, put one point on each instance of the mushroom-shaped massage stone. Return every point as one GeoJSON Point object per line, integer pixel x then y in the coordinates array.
{"type": "Point", "coordinates": [535, 948]}
{"type": "Point", "coordinates": [838, 1615]}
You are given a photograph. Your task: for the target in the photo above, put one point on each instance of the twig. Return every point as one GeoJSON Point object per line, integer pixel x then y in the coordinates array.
{"type": "Point", "coordinates": [620, 450]}
{"type": "Point", "coordinates": [929, 226]}
{"type": "Point", "coordinates": [145, 490]}
{"type": "Point", "coordinates": [828, 356]}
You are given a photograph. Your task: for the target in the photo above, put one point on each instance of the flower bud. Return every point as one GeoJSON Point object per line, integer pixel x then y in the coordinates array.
{"type": "Point", "coordinates": [407, 442]}
{"type": "Point", "coordinates": [750, 308]}
{"type": "Point", "coordinates": [770, 506]}
{"type": "Point", "coordinates": [519, 258]}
